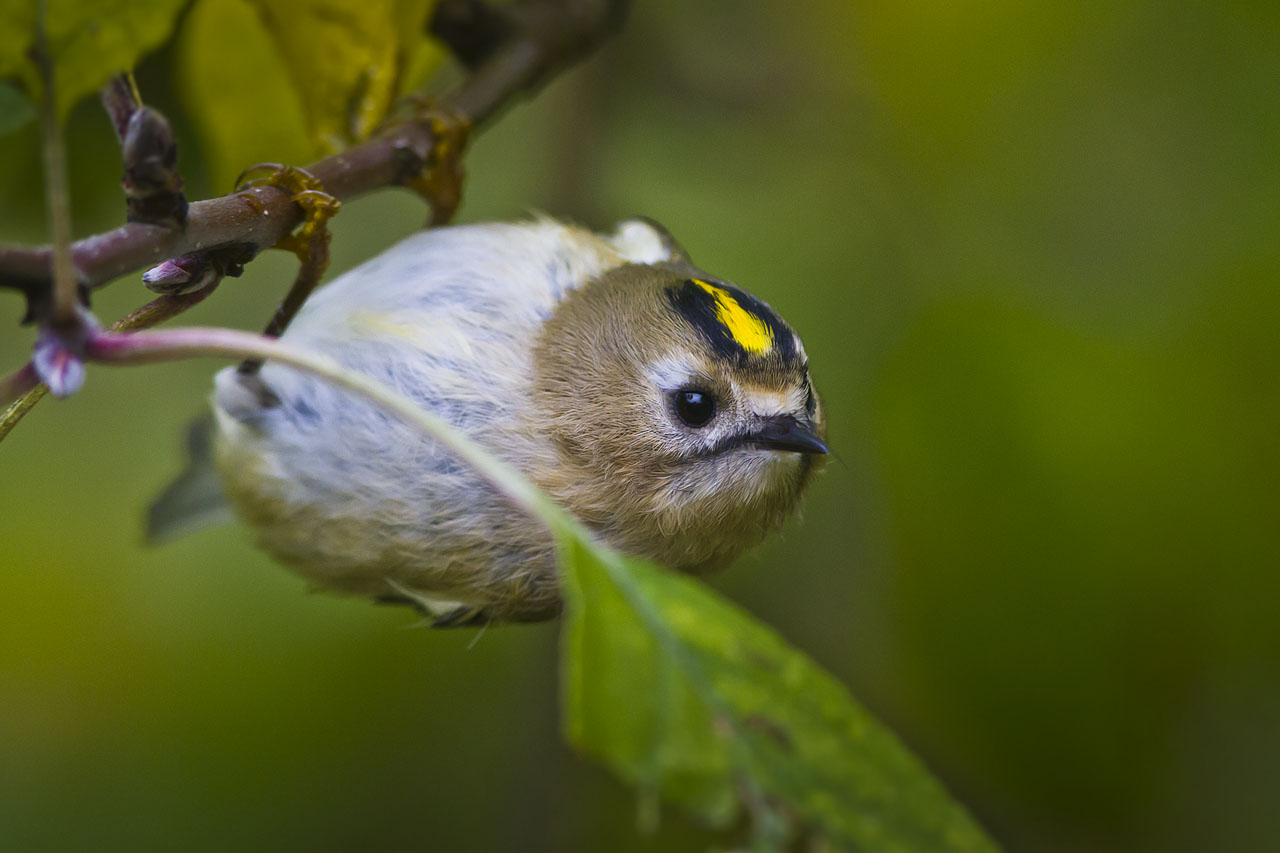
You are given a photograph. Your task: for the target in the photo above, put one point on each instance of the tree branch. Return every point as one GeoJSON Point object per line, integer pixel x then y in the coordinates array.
{"type": "Point", "coordinates": [548, 34]}
{"type": "Point", "coordinates": [65, 294]}
{"type": "Point", "coordinates": [23, 386]}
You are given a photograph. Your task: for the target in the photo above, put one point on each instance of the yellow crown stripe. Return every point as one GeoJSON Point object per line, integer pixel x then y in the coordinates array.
{"type": "Point", "coordinates": [751, 333]}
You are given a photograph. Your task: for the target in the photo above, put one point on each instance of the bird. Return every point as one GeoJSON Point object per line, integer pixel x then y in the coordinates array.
{"type": "Point", "coordinates": [669, 410]}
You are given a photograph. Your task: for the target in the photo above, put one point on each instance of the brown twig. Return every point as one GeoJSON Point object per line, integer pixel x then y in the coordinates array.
{"type": "Point", "coordinates": [538, 38]}
{"type": "Point", "coordinates": [548, 35]}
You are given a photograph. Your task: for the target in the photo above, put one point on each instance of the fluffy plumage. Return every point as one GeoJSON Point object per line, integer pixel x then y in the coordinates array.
{"type": "Point", "coordinates": [559, 350]}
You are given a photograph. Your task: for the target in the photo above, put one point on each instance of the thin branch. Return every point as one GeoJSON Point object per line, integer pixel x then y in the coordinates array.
{"type": "Point", "coordinates": [549, 35]}
{"type": "Point", "coordinates": [163, 308]}
{"type": "Point", "coordinates": [23, 387]}
{"type": "Point", "coordinates": [65, 296]}
{"type": "Point", "coordinates": [199, 342]}
{"type": "Point", "coordinates": [18, 386]}
{"type": "Point", "coordinates": [540, 37]}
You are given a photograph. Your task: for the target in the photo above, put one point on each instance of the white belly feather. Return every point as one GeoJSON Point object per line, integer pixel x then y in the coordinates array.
{"type": "Point", "coordinates": [358, 501]}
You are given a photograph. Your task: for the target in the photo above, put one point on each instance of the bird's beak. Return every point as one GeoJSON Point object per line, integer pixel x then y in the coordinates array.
{"type": "Point", "coordinates": [783, 432]}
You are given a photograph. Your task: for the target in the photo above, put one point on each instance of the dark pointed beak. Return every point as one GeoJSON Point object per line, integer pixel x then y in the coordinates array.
{"type": "Point", "coordinates": [786, 433]}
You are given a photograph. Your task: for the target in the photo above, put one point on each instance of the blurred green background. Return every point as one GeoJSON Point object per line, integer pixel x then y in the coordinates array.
{"type": "Point", "coordinates": [1032, 250]}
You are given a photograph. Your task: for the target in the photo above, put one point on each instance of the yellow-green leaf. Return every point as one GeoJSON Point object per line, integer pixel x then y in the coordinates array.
{"type": "Point", "coordinates": [236, 89]}
{"type": "Point", "coordinates": [89, 40]}
{"type": "Point", "coordinates": [345, 58]}
{"type": "Point", "coordinates": [688, 697]}
{"type": "Point", "coordinates": [16, 35]}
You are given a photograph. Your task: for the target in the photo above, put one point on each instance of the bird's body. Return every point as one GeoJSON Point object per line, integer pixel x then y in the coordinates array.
{"type": "Point", "coordinates": [520, 335]}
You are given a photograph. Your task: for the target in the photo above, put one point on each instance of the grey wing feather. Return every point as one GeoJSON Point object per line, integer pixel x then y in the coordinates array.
{"type": "Point", "coordinates": [195, 499]}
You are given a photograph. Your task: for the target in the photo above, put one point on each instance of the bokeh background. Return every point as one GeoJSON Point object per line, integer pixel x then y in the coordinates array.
{"type": "Point", "coordinates": [1033, 251]}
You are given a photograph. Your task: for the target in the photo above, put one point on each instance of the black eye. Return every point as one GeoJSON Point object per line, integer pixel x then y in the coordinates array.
{"type": "Point", "coordinates": [695, 407]}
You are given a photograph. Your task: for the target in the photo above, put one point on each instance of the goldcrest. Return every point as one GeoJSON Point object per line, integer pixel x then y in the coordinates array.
{"type": "Point", "coordinates": [669, 410]}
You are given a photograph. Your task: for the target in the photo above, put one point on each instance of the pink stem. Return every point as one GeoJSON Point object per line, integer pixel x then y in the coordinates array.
{"type": "Point", "coordinates": [197, 342]}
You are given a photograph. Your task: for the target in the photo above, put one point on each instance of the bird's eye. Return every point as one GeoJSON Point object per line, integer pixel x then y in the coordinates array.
{"type": "Point", "coordinates": [695, 406]}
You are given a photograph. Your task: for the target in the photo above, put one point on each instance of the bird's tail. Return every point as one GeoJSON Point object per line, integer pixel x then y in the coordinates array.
{"type": "Point", "coordinates": [195, 499]}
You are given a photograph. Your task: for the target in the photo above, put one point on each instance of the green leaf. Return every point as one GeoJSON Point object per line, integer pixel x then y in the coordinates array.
{"type": "Point", "coordinates": [345, 58]}
{"type": "Point", "coordinates": [245, 111]}
{"type": "Point", "coordinates": [682, 694]}
{"type": "Point", "coordinates": [89, 40]}
{"type": "Point", "coordinates": [687, 697]}
{"type": "Point", "coordinates": [308, 76]}
{"type": "Point", "coordinates": [15, 109]}
{"type": "Point", "coordinates": [16, 35]}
